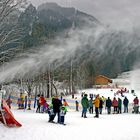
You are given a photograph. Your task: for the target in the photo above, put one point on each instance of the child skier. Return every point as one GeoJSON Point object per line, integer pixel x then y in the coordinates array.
{"type": "Point", "coordinates": [46, 106]}
{"type": "Point", "coordinates": [51, 113]}
{"type": "Point", "coordinates": [62, 114]}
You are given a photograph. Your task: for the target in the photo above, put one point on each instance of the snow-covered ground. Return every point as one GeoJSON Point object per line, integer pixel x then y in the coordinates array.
{"type": "Point", "coordinates": [106, 127]}
{"type": "Point", "coordinates": [35, 126]}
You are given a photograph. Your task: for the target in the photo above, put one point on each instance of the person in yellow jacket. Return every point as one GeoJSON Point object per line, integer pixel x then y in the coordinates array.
{"type": "Point", "coordinates": [103, 99]}
{"type": "Point", "coordinates": [96, 103]}
{"type": "Point", "coordinates": [22, 100]}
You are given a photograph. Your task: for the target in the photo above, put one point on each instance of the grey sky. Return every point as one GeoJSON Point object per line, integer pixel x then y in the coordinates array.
{"type": "Point", "coordinates": [118, 13]}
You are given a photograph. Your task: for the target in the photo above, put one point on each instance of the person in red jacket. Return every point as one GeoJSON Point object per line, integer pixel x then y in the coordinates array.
{"type": "Point", "coordinates": [136, 105]}
{"type": "Point", "coordinates": [136, 101]}
{"type": "Point", "coordinates": [115, 105]}
{"type": "Point", "coordinates": [42, 102]}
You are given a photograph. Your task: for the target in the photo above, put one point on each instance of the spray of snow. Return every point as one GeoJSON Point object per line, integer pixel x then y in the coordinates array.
{"type": "Point", "coordinates": [99, 39]}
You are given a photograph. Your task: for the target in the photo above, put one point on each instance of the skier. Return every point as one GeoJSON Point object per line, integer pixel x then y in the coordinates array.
{"type": "Point", "coordinates": [51, 113]}
{"type": "Point", "coordinates": [72, 95]}
{"type": "Point", "coordinates": [25, 102]}
{"type": "Point", "coordinates": [22, 100]}
{"type": "Point", "coordinates": [96, 103]}
{"type": "Point", "coordinates": [91, 106]}
{"type": "Point", "coordinates": [38, 104]}
{"type": "Point", "coordinates": [136, 105]}
{"type": "Point", "coordinates": [85, 105]}
{"type": "Point", "coordinates": [56, 107]}
{"type": "Point", "coordinates": [77, 104]}
{"type": "Point", "coordinates": [103, 99]}
{"type": "Point", "coordinates": [46, 106]}
{"type": "Point", "coordinates": [29, 102]}
{"type": "Point", "coordinates": [42, 102]}
{"type": "Point", "coordinates": [63, 111]}
{"type": "Point", "coordinates": [119, 105]}
{"type": "Point", "coordinates": [65, 103]}
{"type": "Point", "coordinates": [108, 105]}
{"type": "Point", "coordinates": [101, 105]}
{"type": "Point", "coordinates": [115, 105]}
{"type": "Point", "coordinates": [125, 103]}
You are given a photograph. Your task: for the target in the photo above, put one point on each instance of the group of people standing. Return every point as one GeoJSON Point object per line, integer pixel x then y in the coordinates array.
{"type": "Point", "coordinates": [42, 104]}
{"type": "Point", "coordinates": [117, 105]}
{"type": "Point", "coordinates": [100, 102]}
{"type": "Point", "coordinates": [88, 104]}
{"type": "Point", "coordinates": [55, 108]}
{"type": "Point", "coordinates": [58, 107]}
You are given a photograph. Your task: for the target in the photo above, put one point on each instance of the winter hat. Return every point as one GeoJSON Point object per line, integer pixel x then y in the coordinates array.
{"type": "Point", "coordinates": [85, 95]}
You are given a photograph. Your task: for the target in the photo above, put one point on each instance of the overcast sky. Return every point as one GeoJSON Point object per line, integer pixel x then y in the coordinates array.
{"type": "Point", "coordinates": [120, 13]}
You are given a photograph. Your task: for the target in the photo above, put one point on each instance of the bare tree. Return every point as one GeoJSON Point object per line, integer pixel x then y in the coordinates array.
{"type": "Point", "coordinates": [10, 32]}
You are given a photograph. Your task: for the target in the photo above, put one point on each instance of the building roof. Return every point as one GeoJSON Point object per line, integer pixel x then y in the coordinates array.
{"type": "Point", "coordinates": [109, 80]}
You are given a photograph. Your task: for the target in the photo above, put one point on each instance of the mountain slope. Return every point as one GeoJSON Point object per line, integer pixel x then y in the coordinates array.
{"type": "Point", "coordinates": [70, 14]}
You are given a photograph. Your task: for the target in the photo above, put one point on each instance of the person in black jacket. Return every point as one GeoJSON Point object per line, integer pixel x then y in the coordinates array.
{"type": "Point", "coordinates": [108, 105]}
{"type": "Point", "coordinates": [101, 105]}
{"type": "Point", "coordinates": [56, 107]}
{"type": "Point", "coordinates": [125, 103]}
{"type": "Point", "coordinates": [38, 103]}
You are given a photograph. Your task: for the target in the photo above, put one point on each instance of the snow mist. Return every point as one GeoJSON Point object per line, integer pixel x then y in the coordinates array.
{"type": "Point", "coordinates": [101, 39]}
{"type": "Point", "coordinates": [135, 77]}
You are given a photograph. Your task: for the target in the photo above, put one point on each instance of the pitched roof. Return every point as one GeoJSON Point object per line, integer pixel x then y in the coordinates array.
{"type": "Point", "coordinates": [109, 80]}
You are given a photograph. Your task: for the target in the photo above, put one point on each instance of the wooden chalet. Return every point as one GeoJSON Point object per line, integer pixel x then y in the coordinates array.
{"type": "Point", "coordinates": [102, 80]}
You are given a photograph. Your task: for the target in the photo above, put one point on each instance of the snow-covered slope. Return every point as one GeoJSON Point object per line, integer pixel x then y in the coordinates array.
{"type": "Point", "coordinates": [107, 127]}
